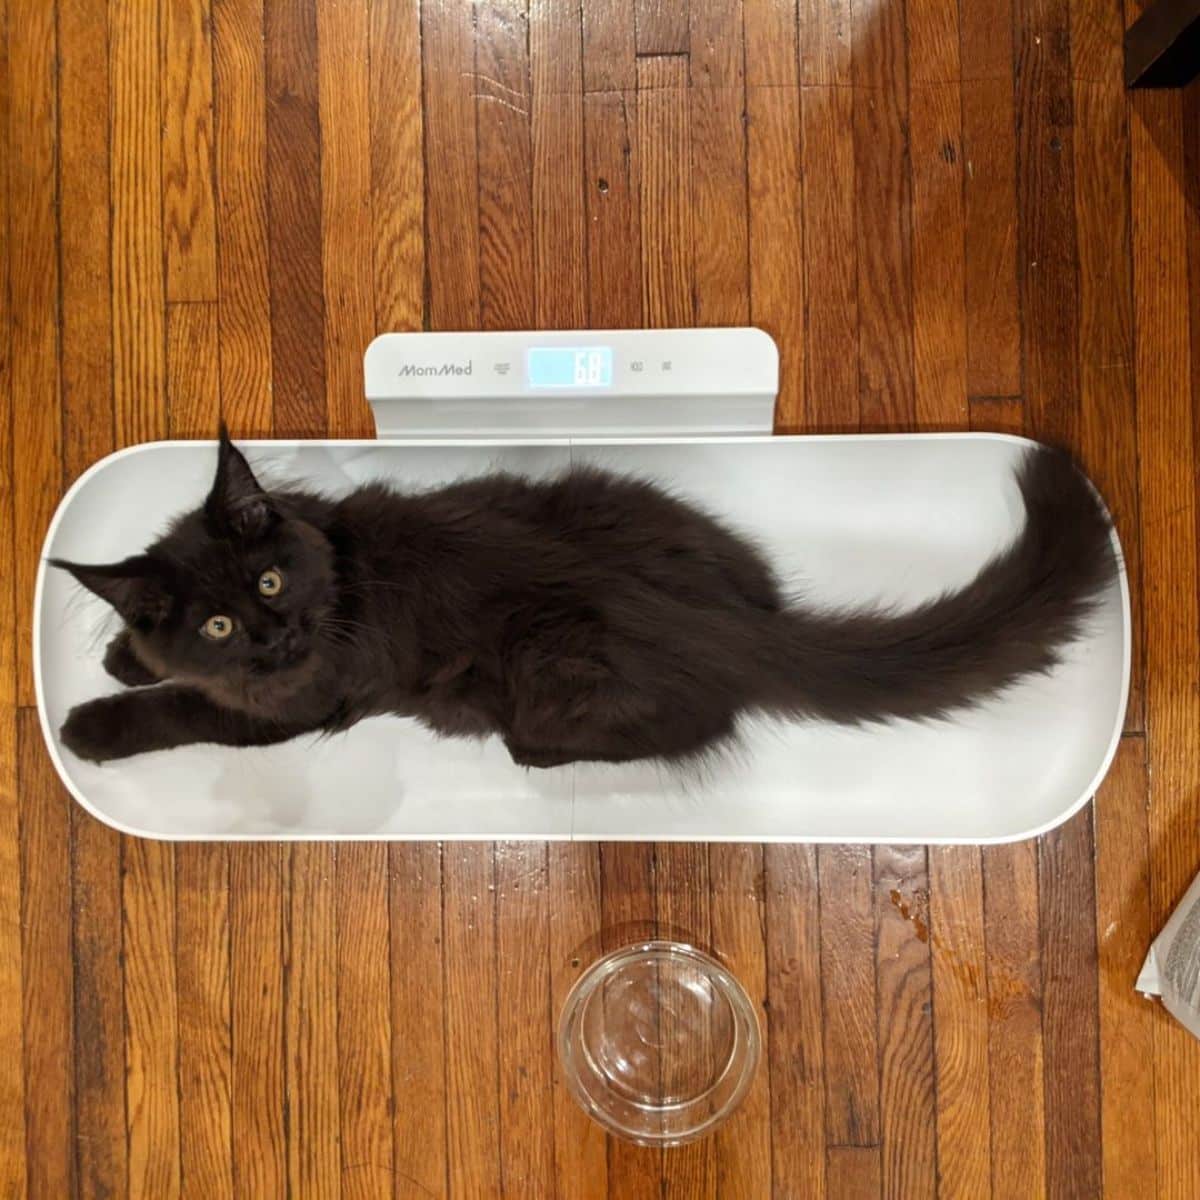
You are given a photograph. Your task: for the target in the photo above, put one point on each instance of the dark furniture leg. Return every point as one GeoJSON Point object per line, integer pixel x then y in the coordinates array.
{"type": "Point", "coordinates": [1162, 47]}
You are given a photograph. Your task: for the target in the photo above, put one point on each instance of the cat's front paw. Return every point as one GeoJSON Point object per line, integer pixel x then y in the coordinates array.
{"type": "Point", "coordinates": [123, 665]}
{"type": "Point", "coordinates": [100, 730]}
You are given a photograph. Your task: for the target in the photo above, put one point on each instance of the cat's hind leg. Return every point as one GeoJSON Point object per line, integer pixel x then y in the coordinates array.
{"type": "Point", "coordinates": [667, 740]}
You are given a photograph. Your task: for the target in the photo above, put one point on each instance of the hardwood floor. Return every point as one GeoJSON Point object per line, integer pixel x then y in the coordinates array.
{"type": "Point", "coordinates": [950, 215]}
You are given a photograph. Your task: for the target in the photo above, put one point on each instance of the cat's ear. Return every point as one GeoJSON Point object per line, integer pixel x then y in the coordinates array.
{"type": "Point", "coordinates": [137, 587]}
{"type": "Point", "coordinates": [237, 503]}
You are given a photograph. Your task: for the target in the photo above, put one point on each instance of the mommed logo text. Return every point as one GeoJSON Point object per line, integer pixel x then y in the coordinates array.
{"type": "Point", "coordinates": [411, 369]}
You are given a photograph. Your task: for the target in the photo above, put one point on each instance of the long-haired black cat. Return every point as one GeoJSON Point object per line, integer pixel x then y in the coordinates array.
{"type": "Point", "coordinates": [591, 617]}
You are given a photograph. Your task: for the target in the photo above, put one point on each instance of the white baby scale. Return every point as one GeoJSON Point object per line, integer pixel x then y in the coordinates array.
{"type": "Point", "coordinates": [846, 520]}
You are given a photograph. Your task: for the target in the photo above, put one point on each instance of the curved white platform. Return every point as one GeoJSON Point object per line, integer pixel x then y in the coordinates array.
{"type": "Point", "coordinates": [848, 519]}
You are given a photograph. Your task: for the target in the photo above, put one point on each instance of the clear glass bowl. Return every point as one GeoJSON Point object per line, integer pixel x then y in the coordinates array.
{"type": "Point", "coordinates": [659, 1042]}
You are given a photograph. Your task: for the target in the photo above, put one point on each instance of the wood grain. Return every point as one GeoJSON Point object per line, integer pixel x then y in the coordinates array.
{"type": "Point", "coordinates": [472, 1082]}
{"type": "Point", "coordinates": [609, 47]}
{"type": "Point", "coordinates": [1108, 417]}
{"type": "Point", "coordinates": [526, 1045]}
{"type": "Point", "coordinates": [1165, 406]}
{"type": "Point", "coordinates": [100, 1149]}
{"type": "Point", "coordinates": [256, 916]}
{"type": "Point", "coordinates": [1015, 1048]}
{"type": "Point", "coordinates": [958, 958]}
{"type": "Point", "coordinates": [151, 1018]}
{"type": "Point", "coordinates": [993, 312]}
{"type": "Point", "coordinates": [502, 117]}
{"type": "Point", "coordinates": [138, 291]}
{"type": "Point", "coordinates": [451, 164]}
{"type": "Point", "coordinates": [99, 1018]}
{"type": "Point", "coordinates": [776, 252]}
{"type": "Point", "coordinates": [242, 264]}
{"type": "Point", "coordinates": [33, 301]}
{"type": "Point", "coordinates": [47, 970]}
{"type": "Point", "coordinates": [611, 188]}
{"type": "Point", "coordinates": [938, 267]}
{"type": "Point", "coordinates": [1066, 890]}
{"type": "Point", "coordinates": [419, 1067]}
{"type": "Point", "coordinates": [825, 37]}
{"type": "Point", "coordinates": [737, 881]}
{"type": "Point", "coordinates": [628, 873]}
{"type": "Point", "coordinates": [848, 997]}
{"type": "Point", "coordinates": [665, 210]}
{"type": "Point", "coordinates": [938, 270]}
{"type": "Point", "coordinates": [580, 1151]}
{"type": "Point", "coordinates": [294, 210]}
{"type": "Point", "coordinates": [193, 370]}
{"type": "Point", "coordinates": [770, 37]}
{"type": "Point", "coordinates": [998, 414]}
{"type": "Point", "coordinates": [661, 26]}
{"type": "Point", "coordinates": [205, 1021]}
{"type": "Point", "coordinates": [1123, 933]}
{"type": "Point", "coordinates": [559, 180]}
{"type": "Point", "coordinates": [854, 1173]}
{"type": "Point", "coordinates": [364, 1019]}
{"type": "Point", "coordinates": [189, 215]}
{"type": "Point", "coordinates": [1047, 244]}
{"type": "Point", "coordinates": [347, 233]}
{"type": "Point", "coordinates": [720, 249]}
{"type": "Point", "coordinates": [716, 50]}
{"type": "Point", "coordinates": [905, 1016]}
{"type": "Point", "coordinates": [831, 395]}
{"type": "Point", "coordinates": [796, 1064]}
{"type": "Point", "coordinates": [883, 202]}
{"type": "Point", "coordinates": [85, 256]}
{"type": "Point", "coordinates": [397, 184]}
{"type": "Point", "coordinates": [310, 1032]}
{"type": "Point", "coordinates": [12, 1083]}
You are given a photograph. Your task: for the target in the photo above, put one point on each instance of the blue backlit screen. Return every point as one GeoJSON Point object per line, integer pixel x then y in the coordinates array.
{"type": "Point", "coordinates": [565, 367]}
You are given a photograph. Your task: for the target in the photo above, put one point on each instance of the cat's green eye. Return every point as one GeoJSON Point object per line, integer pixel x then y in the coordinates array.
{"type": "Point", "coordinates": [270, 583]}
{"type": "Point", "coordinates": [218, 628]}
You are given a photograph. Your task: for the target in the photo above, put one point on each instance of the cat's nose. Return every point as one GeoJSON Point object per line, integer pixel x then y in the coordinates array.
{"type": "Point", "coordinates": [286, 642]}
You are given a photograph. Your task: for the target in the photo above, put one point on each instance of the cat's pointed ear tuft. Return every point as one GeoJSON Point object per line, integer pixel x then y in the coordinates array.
{"type": "Point", "coordinates": [237, 503]}
{"type": "Point", "coordinates": [136, 587]}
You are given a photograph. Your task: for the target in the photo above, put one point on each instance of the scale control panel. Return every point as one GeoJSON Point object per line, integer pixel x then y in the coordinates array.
{"type": "Point", "coordinates": [660, 382]}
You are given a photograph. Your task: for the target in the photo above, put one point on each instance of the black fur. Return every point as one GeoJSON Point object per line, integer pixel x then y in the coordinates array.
{"type": "Point", "coordinates": [591, 617]}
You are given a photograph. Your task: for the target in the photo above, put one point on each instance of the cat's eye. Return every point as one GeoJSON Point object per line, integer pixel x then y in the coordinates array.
{"type": "Point", "coordinates": [218, 628]}
{"type": "Point", "coordinates": [270, 583]}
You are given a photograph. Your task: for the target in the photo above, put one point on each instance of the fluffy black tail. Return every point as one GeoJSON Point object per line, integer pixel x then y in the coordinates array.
{"type": "Point", "coordinates": [1011, 621]}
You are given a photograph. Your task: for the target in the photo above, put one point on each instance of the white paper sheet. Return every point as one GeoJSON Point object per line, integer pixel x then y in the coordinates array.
{"type": "Point", "coordinates": [1172, 968]}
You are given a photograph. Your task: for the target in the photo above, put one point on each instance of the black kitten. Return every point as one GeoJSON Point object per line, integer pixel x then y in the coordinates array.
{"type": "Point", "coordinates": [591, 617]}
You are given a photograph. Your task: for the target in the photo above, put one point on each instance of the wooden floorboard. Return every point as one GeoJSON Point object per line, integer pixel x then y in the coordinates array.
{"type": "Point", "coordinates": [294, 212]}
{"type": "Point", "coordinates": [950, 216]}
{"type": "Point", "coordinates": [1167, 484]}
{"type": "Point", "coordinates": [419, 1068]}
{"type": "Point", "coordinates": [12, 1083]}
{"type": "Point", "coordinates": [205, 1042]}
{"type": "Point", "coordinates": [523, 1013]}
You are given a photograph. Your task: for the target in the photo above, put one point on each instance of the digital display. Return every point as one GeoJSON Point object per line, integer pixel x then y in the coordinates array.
{"type": "Point", "coordinates": [565, 367]}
